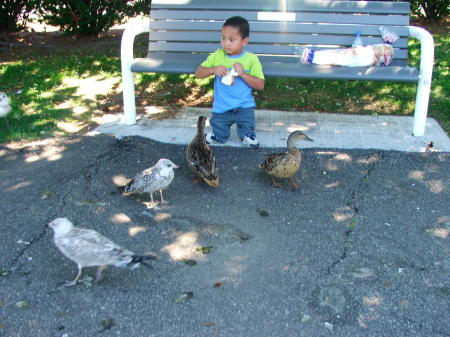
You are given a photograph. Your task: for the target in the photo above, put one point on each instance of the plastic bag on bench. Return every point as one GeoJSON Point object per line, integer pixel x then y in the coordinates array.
{"type": "Point", "coordinates": [371, 55]}
{"type": "Point", "coordinates": [388, 35]}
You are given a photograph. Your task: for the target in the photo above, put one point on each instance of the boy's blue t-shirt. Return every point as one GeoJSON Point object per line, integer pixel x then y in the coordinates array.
{"type": "Point", "coordinates": [238, 95]}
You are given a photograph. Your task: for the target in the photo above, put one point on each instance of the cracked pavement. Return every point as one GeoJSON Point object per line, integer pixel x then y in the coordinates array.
{"type": "Point", "coordinates": [362, 249]}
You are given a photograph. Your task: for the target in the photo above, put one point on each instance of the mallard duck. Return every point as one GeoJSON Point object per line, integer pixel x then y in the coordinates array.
{"type": "Point", "coordinates": [200, 157]}
{"type": "Point", "coordinates": [157, 177]}
{"type": "Point", "coordinates": [286, 164]}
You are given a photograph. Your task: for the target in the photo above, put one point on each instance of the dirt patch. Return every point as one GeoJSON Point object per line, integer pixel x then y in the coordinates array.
{"type": "Point", "coordinates": [20, 44]}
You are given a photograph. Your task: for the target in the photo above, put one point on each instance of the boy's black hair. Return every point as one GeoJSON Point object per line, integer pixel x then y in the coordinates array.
{"type": "Point", "coordinates": [240, 23]}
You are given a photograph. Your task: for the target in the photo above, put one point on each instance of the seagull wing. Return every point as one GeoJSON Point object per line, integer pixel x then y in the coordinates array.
{"type": "Point", "coordinates": [144, 180]}
{"type": "Point", "coordinates": [89, 248]}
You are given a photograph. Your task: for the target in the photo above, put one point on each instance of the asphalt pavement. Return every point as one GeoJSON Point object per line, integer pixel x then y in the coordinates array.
{"type": "Point", "coordinates": [361, 249]}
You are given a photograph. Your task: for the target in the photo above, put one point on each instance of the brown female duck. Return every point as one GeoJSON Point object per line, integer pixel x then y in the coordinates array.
{"type": "Point", "coordinates": [200, 157]}
{"type": "Point", "coordinates": [286, 164]}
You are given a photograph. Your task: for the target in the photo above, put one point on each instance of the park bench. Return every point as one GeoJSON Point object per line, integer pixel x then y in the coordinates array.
{"type": "Point", "coordinates": [183, 33]}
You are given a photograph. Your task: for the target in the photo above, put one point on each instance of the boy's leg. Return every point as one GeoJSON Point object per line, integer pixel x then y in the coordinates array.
{"type": "Point", "coordinates": [245, 127]}
{"type": "Point", "coordinates": [221, 124]}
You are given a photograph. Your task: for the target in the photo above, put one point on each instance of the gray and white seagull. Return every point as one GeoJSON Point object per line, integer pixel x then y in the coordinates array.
{"type": "Point", "coordinates": [5, 108]}
{"type": "Point", "coordinates": [157, 177]}
{"type": "Point", "coordinates": [88, 248]}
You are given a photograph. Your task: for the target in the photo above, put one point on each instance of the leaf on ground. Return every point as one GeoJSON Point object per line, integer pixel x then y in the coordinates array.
{"type": "Point", "coordinates": [262, 212]}
{"type": "Point", "coordinates": [22, 304]}
{"type": "Point", "coordinates": [210, 324]}
{"type": "Point", "coordinates": [184, 297]}
{"type": "Point", "coordinates": [4, 272]}
{"type": "Point", "coordinates": [362, 273]}
{"type": "Point", "coordinates": [46, 195]}
{"type": "Point", "coordinates": [189, 262]}
{"type": "Point", "coordinates": [204, 249]}
{"type": "Point", "coordinates": [107, 324]}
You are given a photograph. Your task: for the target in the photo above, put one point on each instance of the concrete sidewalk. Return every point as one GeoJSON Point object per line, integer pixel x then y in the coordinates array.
{"type": "Point", "coordinates": [273, 127]}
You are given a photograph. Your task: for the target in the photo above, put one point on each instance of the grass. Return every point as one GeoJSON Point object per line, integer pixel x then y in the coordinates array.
{"type": "Point", "coordinates": [61, 91]}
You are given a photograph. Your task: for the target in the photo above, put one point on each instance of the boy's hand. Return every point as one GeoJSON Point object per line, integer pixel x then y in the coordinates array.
{"type": "Point", "coordinates": [239, 68]}
{"type": "Point", "coordinates": [254, 82]}
{"type": "Point", "coordinates": [220, 71]}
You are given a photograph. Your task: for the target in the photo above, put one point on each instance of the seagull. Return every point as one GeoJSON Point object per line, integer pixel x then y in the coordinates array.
{"type": "Point", "coordinates": [88, 248]}
{"type": "Point", "coordinates": [5, 108]}
{"type": "Point", "coordinates": [157, 177]}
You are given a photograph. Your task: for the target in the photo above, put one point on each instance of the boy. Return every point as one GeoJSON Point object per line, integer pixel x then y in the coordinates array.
{"type": "Point", "coordinates": [233, 103]}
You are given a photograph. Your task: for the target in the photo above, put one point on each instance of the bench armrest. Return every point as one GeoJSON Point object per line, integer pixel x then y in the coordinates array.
{"type": "Point", "coordinates": [426, 71]}
{"type": "Point", "coordinates": [134, 28]}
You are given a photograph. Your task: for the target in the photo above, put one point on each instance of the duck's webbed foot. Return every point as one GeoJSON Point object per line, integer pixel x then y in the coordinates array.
{"type": "Point", "coordinates": [197, 180]}
{"type": "Point", "coordinates": [276, 184]}
{"type": "Point", "coordinates": [295, 185]}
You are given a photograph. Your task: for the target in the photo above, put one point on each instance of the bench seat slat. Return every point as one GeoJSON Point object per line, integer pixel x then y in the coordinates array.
{"type": "Point", "coordinates": [254, 48]}
{"type": "Point", "coordinates": [299, 17]}
{"type": "Point", "coordinates": [343, 6]}
{"type": "Point", "coordinates": [183, 65]}
{"type": "Point", "coordinates": [263, 58]}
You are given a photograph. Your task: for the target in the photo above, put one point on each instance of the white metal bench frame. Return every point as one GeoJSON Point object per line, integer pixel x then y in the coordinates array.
{"type": "Point", "coordinates": [137, 27]}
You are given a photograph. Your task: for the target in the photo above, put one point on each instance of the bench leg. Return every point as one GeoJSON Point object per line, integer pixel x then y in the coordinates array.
{"type": "Point", "coordinates": [420, 113]}
{"type": "Point", "coordinates": [129, 100]}
{"type": "Point", "coordinates": [426, 71]}
{"type": "Point", "coordinates": [133, 28]}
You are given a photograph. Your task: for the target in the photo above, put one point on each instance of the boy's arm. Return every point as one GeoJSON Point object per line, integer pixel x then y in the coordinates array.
{"type": "Point", "coordinates": [203, 72]}
{"type": "Point", "coordinates": [253, 81]}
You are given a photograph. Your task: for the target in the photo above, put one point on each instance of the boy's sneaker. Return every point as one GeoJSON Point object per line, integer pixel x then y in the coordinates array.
{"type": "Point", "coordinates": [250, 141]}
{"type": "Point", "coordinates": [211, 138]}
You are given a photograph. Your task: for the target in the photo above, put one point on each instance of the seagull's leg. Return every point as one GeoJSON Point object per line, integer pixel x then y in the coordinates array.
{"type": "Point", "coordinates": [163, 202]}
{"type": "Point", "coordinates": [72, 283]}
{"type": "Point", "coordinates": [274, 183]}
{"type": "Point", "coordinates": [294, 183]}
{"type": "Point", "coordinates": [98, 274]}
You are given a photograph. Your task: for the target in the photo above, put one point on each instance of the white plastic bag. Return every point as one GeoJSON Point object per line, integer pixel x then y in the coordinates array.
{"type": "Point", "coordinates": [228, 79]}
{"type": "Point", "coordinates": [388, 35]}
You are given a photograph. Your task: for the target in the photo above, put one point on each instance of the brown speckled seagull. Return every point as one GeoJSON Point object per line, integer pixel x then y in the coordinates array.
{"type": "Point", "coordinates": [88, 248]}
{"type": "Point", "coordinates": [157, 177]}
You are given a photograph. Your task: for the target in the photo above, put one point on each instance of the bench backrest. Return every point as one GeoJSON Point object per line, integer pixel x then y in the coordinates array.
{"type": "Point", "coordinates": [276, 26]}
